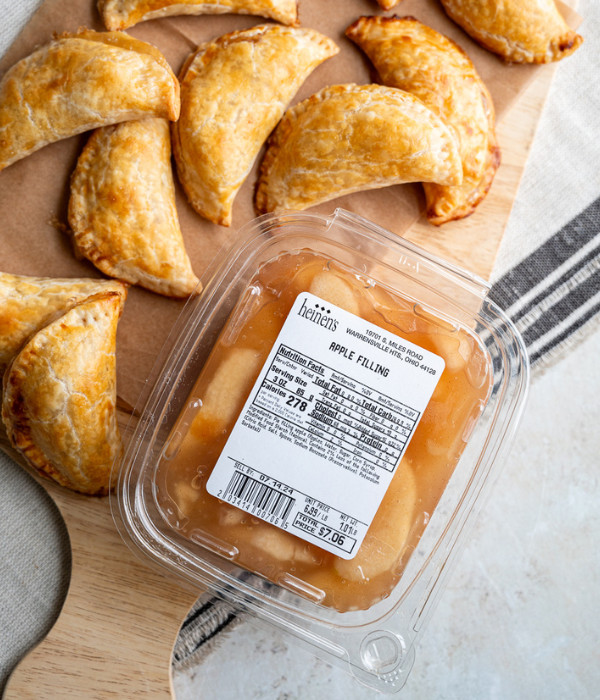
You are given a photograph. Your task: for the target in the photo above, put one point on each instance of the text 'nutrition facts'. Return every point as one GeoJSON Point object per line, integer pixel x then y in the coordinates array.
{"type": "Point", "coordinates": [350, 423]}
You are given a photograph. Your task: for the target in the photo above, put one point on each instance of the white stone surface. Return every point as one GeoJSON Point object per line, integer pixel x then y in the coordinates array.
{"type": "Point", "coordinates": [520, 619]}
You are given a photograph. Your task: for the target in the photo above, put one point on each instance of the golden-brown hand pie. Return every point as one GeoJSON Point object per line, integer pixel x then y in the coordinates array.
{"type": "Point", "coordinates": [520, 31]}
{"type": "Point", "coordinates": [411, 56]}
{"type": "Point", "coordinates": [27, 304]}
{"type": "Point", "coordinates": [59, 404]}
{"type": "Point", "coordinates": [80, 82]}
{"type": "Point", "coordinates": [233, 92]}
{"type": "Point", "coordinates": [347, 138]}
{"type": "Point", "coordinates": [122, 209]}
{"type": "Point", "coordinates": [120, 14]}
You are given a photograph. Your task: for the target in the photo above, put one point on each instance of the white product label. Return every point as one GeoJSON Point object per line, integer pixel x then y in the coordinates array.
{"type": "Point", "coordinates": [325, 426]}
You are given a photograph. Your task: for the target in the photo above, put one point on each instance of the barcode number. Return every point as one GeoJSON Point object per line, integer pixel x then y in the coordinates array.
{"type": "Point", "coordinates": [258, 496]}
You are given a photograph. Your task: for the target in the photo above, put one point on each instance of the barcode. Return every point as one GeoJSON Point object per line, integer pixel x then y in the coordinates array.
{"type": "Point", "coordinates": [259, 496]}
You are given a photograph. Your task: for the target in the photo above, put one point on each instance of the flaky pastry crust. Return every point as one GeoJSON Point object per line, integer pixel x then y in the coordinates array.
{"type": "Point", "coordinates": [411, 56]}
{"type": "Point", "coordinates": [234, 90]}
{"type": "Point", "coordinates": [27, 304]}
{"type": "Point", "coordinates": [120, 14]}
{"type": "Point", "coordinates": [80, 82]}
{"type": "Point", "coordinates": [347, 138]}
{"type": "Point", "coordinates": [122, 210]}
{"type": "Point", "coordinates": [59, 403]}
{"type": "Point", "coordinates": [520, 31]}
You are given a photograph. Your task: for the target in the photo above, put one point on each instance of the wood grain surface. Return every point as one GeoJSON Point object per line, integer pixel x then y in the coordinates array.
{"type": "Point", "coordinates": [118, 624]}
{"type": "Point", "coordinates": [117, 628]}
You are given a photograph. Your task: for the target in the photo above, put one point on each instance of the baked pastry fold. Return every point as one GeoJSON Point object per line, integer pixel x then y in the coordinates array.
{"type": "Point", "coordinates": [59, 403]}
{"type": "Point", "coordinates": [411, 56]}
{"type": "Point", "coordinates": [27, 304]}
{"type": "Point", "coordinates": [120, 14]}
{"type": "Point", "coordinates": [122, 210]}
{"type": "Point", "coordinates": [234, 90]}
{"type": "Point", "coordinates": [80, 82]}
{"type": "Point", "coordinates": [347, 138]}
{"type": "Point", "coordinates": [520, 31]}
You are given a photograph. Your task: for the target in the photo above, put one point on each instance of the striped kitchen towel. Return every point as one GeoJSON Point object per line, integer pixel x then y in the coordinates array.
{"type": "Point", "coordinates": [553, 295]}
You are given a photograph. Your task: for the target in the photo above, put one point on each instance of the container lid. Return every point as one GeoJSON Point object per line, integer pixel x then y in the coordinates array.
{"type": "Point", "coordinates": [321, 428]}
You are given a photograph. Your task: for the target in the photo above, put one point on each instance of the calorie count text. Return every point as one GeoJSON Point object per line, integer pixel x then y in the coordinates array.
{"type": "Point", "coordinates": [349, 415]}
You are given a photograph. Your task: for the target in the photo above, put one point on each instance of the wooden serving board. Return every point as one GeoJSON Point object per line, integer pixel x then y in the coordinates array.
{"type": "Point", "coordinates": [116, 631]}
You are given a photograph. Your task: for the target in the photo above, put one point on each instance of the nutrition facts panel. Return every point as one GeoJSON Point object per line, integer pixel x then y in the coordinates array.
{"type": "Point", "coordinates": [325, 426]}
{"type": "Point", "coordinates": [345, 416]}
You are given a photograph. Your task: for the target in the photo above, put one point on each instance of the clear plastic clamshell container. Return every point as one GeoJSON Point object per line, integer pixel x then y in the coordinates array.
{"type": "Point", "coordinates": [325, 422]}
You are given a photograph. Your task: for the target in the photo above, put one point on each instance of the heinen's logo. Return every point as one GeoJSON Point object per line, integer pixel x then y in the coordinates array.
{"type": "Point", "coordinates": [319, 315]}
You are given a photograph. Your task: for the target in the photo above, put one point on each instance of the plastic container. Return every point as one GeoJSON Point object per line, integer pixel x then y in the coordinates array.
{"type": "Point", "coordinates": [394, 381]}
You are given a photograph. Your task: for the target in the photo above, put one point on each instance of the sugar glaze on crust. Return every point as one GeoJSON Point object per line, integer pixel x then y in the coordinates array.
{"type": "Point", "coordinates": [520, 31]}
{"type": "Point", "coordinates": [59, 402]}
{"type": "Point", "coordinates": [79, 82]}
{"type": "Point", "coordinates": [347, 138]}
{"type": "Point", "coordinates": [120, 14]}
{"type": "Point", "coordinates": [411, 56]}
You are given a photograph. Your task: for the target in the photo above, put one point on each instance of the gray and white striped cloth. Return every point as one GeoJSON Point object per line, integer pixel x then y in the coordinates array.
{"type": "Point", "coordinates": [554, 293]}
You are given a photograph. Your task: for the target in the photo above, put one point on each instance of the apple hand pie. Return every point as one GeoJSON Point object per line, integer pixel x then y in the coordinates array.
{"type": "Point", "coordinates": [348, 138]}
{"type": "Point", "coordinates": [234, 90]}
{"type": "Point", "coordinates": [28, 304]}
{"type": "Point", "coordinates": [520, 31]}
{"type": "Point", "coordinates": [120, 14]}
{"type": "Point", "coordinates": [59, 404]}
{"type": "Point", "coordinates": [79, 82]}
{"type": "Point", "coordinates": [122, 208]}
{"type": "Point", "coordinates": [411, 56]}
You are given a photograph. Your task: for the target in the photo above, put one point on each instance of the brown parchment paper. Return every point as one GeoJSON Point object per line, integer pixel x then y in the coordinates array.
{"type": "Point", "coordinates": [34, 192]}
